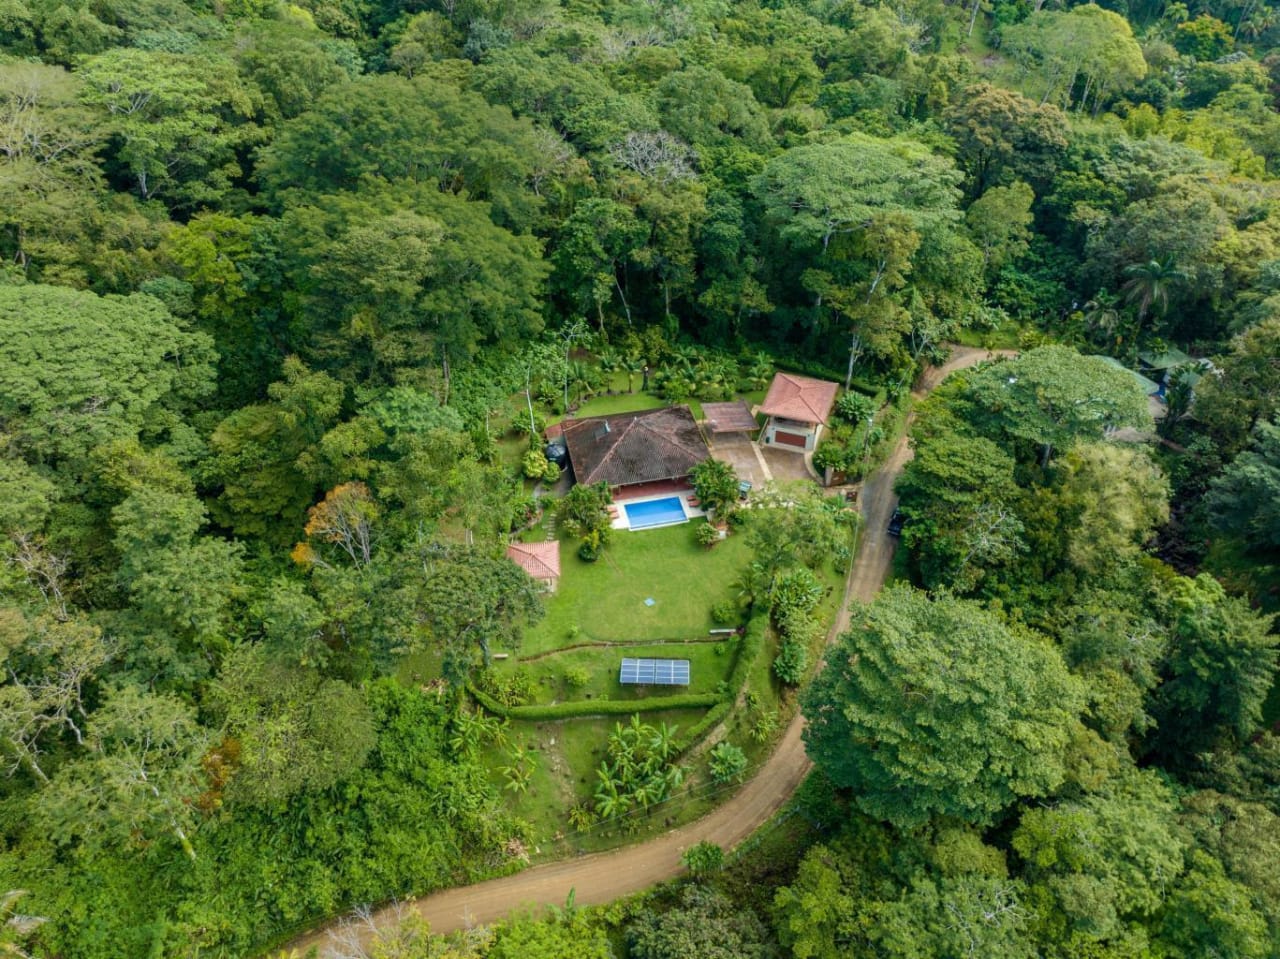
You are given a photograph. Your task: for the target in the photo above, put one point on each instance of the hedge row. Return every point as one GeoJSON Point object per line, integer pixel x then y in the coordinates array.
{"type": "Point", "coordinates": [750, 647]}
{"type": "Point", "coordinates": [713, 716]}
{"type": "Point", "coordinates": [595, 707]}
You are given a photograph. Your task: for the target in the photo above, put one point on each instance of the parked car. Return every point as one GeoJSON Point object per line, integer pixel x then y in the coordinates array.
{"type": "Point", "coordinates": [896, 522]}
{"type": "Point", "coordinates": [557, 452]}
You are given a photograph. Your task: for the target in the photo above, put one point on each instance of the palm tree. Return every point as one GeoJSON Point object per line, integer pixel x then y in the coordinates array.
{"type": "Point", "coordinates": [1149, 285]}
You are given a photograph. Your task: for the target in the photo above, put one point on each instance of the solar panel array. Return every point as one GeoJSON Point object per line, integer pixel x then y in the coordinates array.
{"type": "Point", "coordinates": [654, 672]}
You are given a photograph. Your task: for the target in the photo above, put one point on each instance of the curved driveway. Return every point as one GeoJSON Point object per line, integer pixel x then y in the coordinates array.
{"type": "Point", "coordinates": [603, 877]}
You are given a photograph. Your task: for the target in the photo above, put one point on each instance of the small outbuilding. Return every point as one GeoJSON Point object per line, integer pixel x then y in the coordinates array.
{"type": "Point", "coordinates": [798, 408]}
{"type": "Point", "coordinates": [540, 560]}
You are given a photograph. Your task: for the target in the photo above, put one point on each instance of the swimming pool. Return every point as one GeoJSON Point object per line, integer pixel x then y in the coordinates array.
{"type": "Point", "coordinates": [655, 512]}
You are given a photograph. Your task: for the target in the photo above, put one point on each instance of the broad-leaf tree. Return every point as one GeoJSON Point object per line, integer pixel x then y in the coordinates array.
{"type": "Point", "coordinates": [935, 707]}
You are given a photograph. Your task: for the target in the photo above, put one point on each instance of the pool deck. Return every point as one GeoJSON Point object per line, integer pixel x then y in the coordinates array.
{"type": "Point", "coordinates": [681, 491]}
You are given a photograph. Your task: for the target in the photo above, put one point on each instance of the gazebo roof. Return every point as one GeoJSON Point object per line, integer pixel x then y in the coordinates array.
{"type": "Point", "coordinates": [800, 398]}
{"type": "Point", "coordinates": [1164, 361]}
{"type": "Point", "coordinates": [1148, 386]}
{"type": "Point", "coordinates": [733, 417]}
{"type": "Point", "coordinates": [539, 560]}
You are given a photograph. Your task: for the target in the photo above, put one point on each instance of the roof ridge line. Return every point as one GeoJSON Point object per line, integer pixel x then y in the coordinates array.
{"type": "Point", "coordinates": [613, 448]}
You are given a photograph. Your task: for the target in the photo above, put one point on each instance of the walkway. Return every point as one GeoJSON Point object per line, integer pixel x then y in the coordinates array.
{"type": "Point", "coordinates": [603, 877]}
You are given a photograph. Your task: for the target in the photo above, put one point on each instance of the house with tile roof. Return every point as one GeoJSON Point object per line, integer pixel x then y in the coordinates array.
{"type": "Point", "coordinates": [635, 449]}
{"type": "Point", "coordinates": [798, 408]}
{"type": "Point", "coordinates": [540, 560]}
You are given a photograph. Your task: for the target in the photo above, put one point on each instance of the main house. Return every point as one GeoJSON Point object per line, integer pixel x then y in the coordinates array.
{"type": "Point", "coordinates": [635, 453]}
{"type": "Point", "coordinates": [797, 407]}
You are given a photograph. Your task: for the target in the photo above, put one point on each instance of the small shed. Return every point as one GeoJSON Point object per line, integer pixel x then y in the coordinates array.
{"type": "Point", "coordinates": [540, 560]}
{"type": "Point", "coordinates": [797, 407]}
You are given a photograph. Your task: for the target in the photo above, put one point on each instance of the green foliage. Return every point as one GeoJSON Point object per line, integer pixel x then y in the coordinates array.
{"type": "Point", "coordinates": [1052, 396]}
{"type": "Point", "coordinates": [791, 662]}
{"type": "Point", "coordinates": [716, 485]}
{"type": "Point", "coordinates": [596, 707]}
{"type": "Point", "coordinates": [1219, 668]}
{"type": "Point", "coordinates": [1205, 38]}
{"type": "Point", "coordinates": [640, 769]}
{"type": "Point", "coordinates": [703, 858]}
{"type": "Point", "coordinates": [705, 924]}
{"type": "Point", "coordinates": [295, 731]}
{"type": "Point", "coordinates": [726, 762]}
{"type": "Point", "coordinates": [1245, 499]}
{"type": "Point", "coordinates": [78, 370]}
{"type": "Point", "coordinates": [898, 695]}
{"type": "Point", "coordinates": [585, 510]}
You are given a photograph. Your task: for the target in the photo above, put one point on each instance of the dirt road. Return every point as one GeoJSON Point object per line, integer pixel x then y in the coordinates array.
{"type": "Point", "coordinates": [603, 877]}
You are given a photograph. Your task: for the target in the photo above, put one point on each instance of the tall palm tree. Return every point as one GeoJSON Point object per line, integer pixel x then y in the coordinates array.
{"type": "Point", "coordinates": [1149, 285]}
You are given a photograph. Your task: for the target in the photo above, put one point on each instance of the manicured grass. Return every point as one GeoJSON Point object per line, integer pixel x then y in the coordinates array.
{"type": "Point", "coordinates": [709, 665]}
{"type": "Point", "coordinates": [619, 403]}
{"type": "Point", "coordinates": [604, 601]}
{"type": "Point", "coordinates": [630, 403]}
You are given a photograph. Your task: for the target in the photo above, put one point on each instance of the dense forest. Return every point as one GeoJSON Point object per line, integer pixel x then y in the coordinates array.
{"type": "Point", "coordinates": [289, 291]}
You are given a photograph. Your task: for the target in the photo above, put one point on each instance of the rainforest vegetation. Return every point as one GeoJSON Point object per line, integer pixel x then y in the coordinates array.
{"type": "Point", "coordinates": [288, 292]}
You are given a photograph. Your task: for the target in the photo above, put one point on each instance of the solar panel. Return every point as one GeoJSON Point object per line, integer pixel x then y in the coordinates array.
{"type": "Point", "coordinates": [654, 672]}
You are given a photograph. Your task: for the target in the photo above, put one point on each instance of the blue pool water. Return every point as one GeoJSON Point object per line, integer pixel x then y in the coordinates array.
{"type": "Point", "coordinates": [654, 512]}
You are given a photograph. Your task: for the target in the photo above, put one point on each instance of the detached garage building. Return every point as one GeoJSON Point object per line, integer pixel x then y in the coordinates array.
{"type": "Point", "coordinates": [797, 407]}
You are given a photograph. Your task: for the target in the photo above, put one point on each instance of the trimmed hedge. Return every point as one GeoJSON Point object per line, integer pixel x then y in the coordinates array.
{"type": "Point", "coordinates": [715, 715]}
{"type": "Point", "coordinates": [750, 647]}
{"type": "Point", "coordinates": [595, 707]}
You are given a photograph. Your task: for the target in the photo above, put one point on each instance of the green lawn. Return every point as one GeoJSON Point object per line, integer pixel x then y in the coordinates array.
{"type": "Point", "coordinates": [709, 665]}
{"type": "Point", "coordinates": [605, 600]}
{"type": "Point", "coordinates": [629, 403]}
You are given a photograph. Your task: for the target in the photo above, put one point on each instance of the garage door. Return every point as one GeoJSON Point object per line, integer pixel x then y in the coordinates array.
{"type": "Point", "coordinates": [791, 439]}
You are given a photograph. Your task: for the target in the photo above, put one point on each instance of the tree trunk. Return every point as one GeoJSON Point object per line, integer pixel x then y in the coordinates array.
{"type": "Point", "coordinates": [973, 17]}
{"type": "Point", "coordinates": [626, 307]}
{"type": "Point", "coordinates": [528, 398]}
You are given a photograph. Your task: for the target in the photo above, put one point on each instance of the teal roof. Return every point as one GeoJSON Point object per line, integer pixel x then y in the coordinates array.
{"type": "Point", "coordinates": [1148, 386]}
{"type": "Point", "coordinates": [1164, 361]}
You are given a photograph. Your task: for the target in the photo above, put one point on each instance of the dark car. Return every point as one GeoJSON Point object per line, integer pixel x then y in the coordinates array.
{"type": "Point", "coordinates": [896, 522]}
{"type": "Point", "coordinates": [557, 452]}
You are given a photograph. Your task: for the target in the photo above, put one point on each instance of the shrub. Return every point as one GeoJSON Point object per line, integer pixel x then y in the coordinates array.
{"type": "Point", "coordinates": [551, 475]}
{"type": "Point", "coordinates": [716, 484]}
{"type": "Point", "coordinates": [797, 591]}
{"type": "Point", "coordinates": [577, 677]}
{"type": "Point", "coordinates": [706, 535]}
{"type": "Point", "coordinates": [510, 689]}
{"type": "Point", "coordinates": [534, 465]}
{"type": "Point", "coordinates": [703, 858]}
{"type": "Point", "coordinates": [726, 613]}
{"type": "Point", "coordinates": [853, 407]}
{"type": "Point", "coordinates": [727, 763]}
{"type": "Point", "coordinates": [791, 662]}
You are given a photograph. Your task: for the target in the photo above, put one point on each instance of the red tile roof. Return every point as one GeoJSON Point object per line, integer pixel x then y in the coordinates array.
{"type": "Point", "coordinates": [800, 398]}
{"type": "Point", "coordinates": [638, 447]}
{"type": "Point", "coordinates": [539, 560]}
